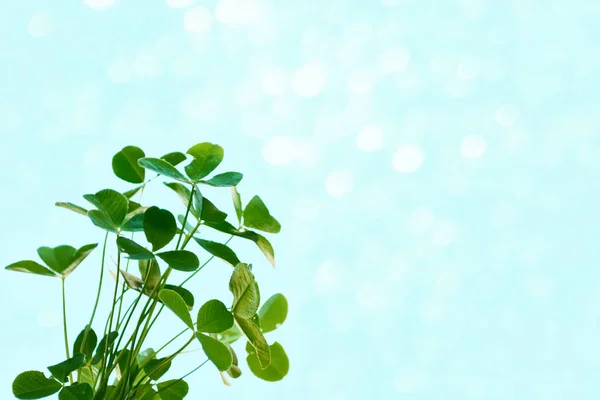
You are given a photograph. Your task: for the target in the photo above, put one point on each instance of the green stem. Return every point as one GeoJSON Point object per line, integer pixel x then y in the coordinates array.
{"type": "Point", "coordinates": [171, 341]}
{"type": "Point", "coordinates": [166, 360]}
{"type": "Point", "coordinates": [183, 377]}
{"type": "Point", "coordinates": [203, 265]}
{"type": "Point", "coordinates": [64, 309]}
{"type": "Point", "coordinates": [112, 313]}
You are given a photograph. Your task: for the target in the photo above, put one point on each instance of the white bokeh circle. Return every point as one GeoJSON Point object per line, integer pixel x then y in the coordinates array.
{"type": "Point", "coordinates": [473, 146]}
{"type": "Point", "coordinates": [339, 183]}
{"type": "Point", "coordinates": [309, 80]}
{"type": "Point", "coordinates": [408, 158]}
{"type": "Point", "coordinates": [370, 138]}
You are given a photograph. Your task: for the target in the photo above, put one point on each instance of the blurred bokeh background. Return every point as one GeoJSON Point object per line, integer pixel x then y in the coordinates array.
{"type": "Point", "coordinates": [434, 165]}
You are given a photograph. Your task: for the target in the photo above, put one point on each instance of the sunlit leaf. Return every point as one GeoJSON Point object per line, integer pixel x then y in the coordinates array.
{"type": "Point", "coordinates": [112, 203]}
{"type": "Point", "coordinates": [237, 203]}
{"type": "Point", "coordinates": [273, 313]}
{"type": "Point", "coordinates": [174, 158]}
{"type": "Point", "coordinates": [226, 179]}
{"type": "Point", "coordinates": [230, 336]}
{"type": "Point", "coordinates": [162, 167]}
{"type": "Point", "coordinates": [207, 157]}
{"type": "Point", "coordinates": [175, 303]}
{"type": "Point", "coordinates": [213, 317]}
{"type": "Point", "coordinates": [31, 267]}
{"type": "Point", "coordinates": [257, 216]}
{"type": "Point", "coordinates": [262, 243]}
{"type": "Point", "coordinates": [125, 164]}
{"type": "Point", "coordinates": [185, 294]}
{"type": "Point", "coordinates": [72, 207]}
{"type": "Point", "coordinates": [181, 260]}
{"type": "Point", "coordinates": [246, 295]}
{"type": "Point", "coordinates": [34, 385]}
{"type": "Point", "coordinates": [219, 250]}
{"type": "Point", "coordinates": [160, 227]}
{"type": "Point", "coordinates": [210, 212]}
{"type": "Point", "coordinates": [216, 351]}
{"type": "Point", "coordinates": [256, 338]}
{"type": "Point", "coordinates": [57, 258]}
{"type": "Point", "coordinates": [276, 371]}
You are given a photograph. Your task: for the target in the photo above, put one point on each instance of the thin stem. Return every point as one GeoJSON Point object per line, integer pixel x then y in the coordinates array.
{"type": "Point", "coordinates": [64, 309]}
{"type": "Point", "coordinates": [185, 376]}
{"type": "Point", "coordinates": [203, 265]}
{"type": "Point", "coordinates": [166, 360]}
{"type": "Point", "coordinates": [112, 311]}
{"type": "Point", "coordinates": [171, 341]}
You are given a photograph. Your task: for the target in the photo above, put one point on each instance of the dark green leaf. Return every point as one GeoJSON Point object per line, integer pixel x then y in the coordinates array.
{"type": "Point", "coordinates": [150, 272]}
{"type": "Point", "coordinates": [77, 391]}
{"type": "Point", "coordinates": [246, 296]}
{"type": "Point", "coordinates": [257, 216]}
{"type": "Point", "coordinates": [207, 157]}
{"type": "Point", "coordinates": [175, 389]}
{"type": "Point", "coordinates": [256, 338]}
{"type": "Point", "coordinates": [34, 385]}
{"type": "Point", "coordinates": [157, 368]}
{"type": "Point", "coordinates": [226, 179]}
{"type": "Point", "coordinates": [146, 392]}
{"type": "Point", "coordinates": [181, 260]}
{"type": "Point", "coordinates": [134, 250]}
{"type": "Point", "coordinates": [219, 250]}
{"type": "Point", "coordinates": [273, 313]}
{"type": "Point", "coordinates": [86, 348]}
{"type": "Point", "coordinates": [216, 352]}
{"type": "Point", "coordinates": [174, 158]}
{"type": "Point", "coordinates": [106, 343]}
{"type": "Point", "coordinates": [210, 212]}
{"type": "Point", "coordinates": [276, 371]}
{"type": "Point", "coordinates": [125, 164]}
{"type": "Point", "coordinates": [62, 370]}
{"type": "Point", "coordinates": [185, 294]}
{"type": "Point", "coordinates": [72, 207]}
{"type": "Point", "coordinates": [237, 203]}
{"type": "Point", "coordinates": [134, 222]}
{"type": "Point", "coordinates": [175, 303]}
{"type": "Point", "coordinates": [262, 243]}
{"type": "Point", "coordinates": [213, 317]}
{"type": "Point", "coordinates": [162, 167]}
{"type": "Point", "coordinates": [31, 267]}
{"type": "Point", "coordinates": [160, 227]}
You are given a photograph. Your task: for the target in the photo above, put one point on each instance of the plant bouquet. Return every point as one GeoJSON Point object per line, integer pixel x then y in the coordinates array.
{"type": "Point", "coordinates": [112, 361]}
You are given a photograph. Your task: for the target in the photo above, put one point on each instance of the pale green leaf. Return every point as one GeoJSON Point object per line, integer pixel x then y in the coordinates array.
{"type": "Point", "coordinates": [216, 351]}
{"type": "Point", "coordinates": [213, 317]}
{"type": "Point", "coordinates": [175, 303]}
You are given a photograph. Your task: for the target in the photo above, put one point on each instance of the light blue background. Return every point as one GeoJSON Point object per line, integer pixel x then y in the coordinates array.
{"type": "Point", "coordinates": [434, 165]}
